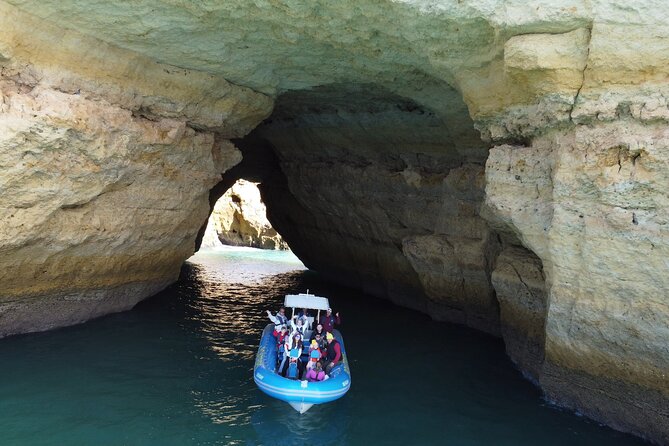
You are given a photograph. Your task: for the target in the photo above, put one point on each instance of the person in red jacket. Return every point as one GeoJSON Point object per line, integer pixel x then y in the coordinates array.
{"type": "Point", "coordinates": [333, 355]}
{"type": "Point", "coordinates": [280, 332]}
{"type": "Point", "coordinates": [328, 321]}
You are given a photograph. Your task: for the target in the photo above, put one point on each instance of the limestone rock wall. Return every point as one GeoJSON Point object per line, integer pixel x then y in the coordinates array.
{"type": "Point", "coordinates": [594, 213]}
{"type": "Point", "coordinates": [584, 196]}
{"type": "Point", "coordinates": [105, 177]}
{"type": "Point", "coordinates": [581, 189]}
{"type": "Point", "coordinates": [519, 284]}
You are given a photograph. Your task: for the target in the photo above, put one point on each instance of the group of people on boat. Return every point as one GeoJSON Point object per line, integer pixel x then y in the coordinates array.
{"type": "Point", "coordinates": [299, 358]}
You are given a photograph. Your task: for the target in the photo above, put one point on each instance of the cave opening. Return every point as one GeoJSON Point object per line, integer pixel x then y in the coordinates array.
{"type": "Point", "coordinates": [239, 218]}
{"type": "Point", "coordinates": [385, 193]}
{"type": "Point", "coordinates": [381, 191]}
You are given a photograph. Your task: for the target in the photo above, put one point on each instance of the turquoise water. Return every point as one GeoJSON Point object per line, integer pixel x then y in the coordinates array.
{"type": "Point", "coordinates": [177, 370]}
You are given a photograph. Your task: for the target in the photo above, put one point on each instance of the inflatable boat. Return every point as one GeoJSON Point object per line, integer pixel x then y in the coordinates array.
{"type": "Point", "coordinates": [300, 394]}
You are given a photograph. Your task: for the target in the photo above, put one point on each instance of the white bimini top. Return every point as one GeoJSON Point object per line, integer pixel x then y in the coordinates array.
{"type": "Point", "coordinates": [308, 301]}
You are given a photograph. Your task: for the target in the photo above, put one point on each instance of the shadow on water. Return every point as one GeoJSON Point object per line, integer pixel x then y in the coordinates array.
{"type": "Point", "coordinates": [177, 370]}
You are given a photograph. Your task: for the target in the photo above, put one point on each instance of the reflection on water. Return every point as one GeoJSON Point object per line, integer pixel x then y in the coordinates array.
{"type": "Point", "coordinates": [242, 265]}
{"type": "Point", "coordinates": [177, 370]}
{"type": "Point", "coordinates": [274, 425]}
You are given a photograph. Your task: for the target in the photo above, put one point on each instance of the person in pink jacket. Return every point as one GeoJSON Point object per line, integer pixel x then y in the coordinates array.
{"type": "Point", "coordinates": [316, 373]}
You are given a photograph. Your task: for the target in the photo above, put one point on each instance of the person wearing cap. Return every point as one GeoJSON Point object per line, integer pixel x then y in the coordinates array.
{"type": "Point", "coordinates": [314, 354]}
{"type": "Point", "coordinates": [328, 320]}
{"type": "Point", "coordinates": [333, 355]}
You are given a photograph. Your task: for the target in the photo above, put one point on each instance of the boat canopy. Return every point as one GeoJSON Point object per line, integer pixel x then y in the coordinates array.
{"type": "Point", "coordinates": [306, 300]}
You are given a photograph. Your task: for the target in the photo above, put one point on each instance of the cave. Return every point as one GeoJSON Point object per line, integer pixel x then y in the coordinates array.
{"type": "Point", "coordinates": [500, 168]}
{"type": "Point", "coordinates": [376, 191]}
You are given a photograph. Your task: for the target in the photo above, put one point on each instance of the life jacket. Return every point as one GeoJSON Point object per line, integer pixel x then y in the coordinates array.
{"type": "Point", "coordinates": [279, 319]}
{"type": "Point", "coordinates": [294, 354]}
{"type": "Point", "coordinates": [316, 376]}
{"type": "Point", "coordinates": [315, 354]}
{"type": "Point", "coordinates": [332, 354]}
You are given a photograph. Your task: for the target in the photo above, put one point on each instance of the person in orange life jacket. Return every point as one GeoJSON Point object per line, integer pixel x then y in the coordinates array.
{"type": "Point", "coordinates": [333, 355]}
{"type": "Point", "coordinates": [314, 354]}
{"type": "Point", "coordinates": [328, 321]}
{"type": "Point", "coordinates": [322, 343]}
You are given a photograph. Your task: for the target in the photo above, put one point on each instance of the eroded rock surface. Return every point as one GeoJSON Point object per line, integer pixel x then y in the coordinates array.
{"type": "Point", "coordinates": [99, 206]}
{"type": "Point", "coordinates": [587, 202]}
{"type": "Point", "coordinates": [106, 166]}
{"type": "Point", "coordinates": [496, 163]}
{"type": "Point", "coordinates": [519, 284]}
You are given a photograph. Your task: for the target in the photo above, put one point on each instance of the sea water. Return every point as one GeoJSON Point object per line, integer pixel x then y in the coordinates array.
{"type": "Point", "coordinates": [178, 370]}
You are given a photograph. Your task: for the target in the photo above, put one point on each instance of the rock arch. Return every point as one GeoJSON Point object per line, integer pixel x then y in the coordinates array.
{"type": "Point", "coordinates": [539, 136]}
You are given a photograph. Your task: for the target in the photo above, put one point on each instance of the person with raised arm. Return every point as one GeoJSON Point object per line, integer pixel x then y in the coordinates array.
{"type": "Point", "coordinates": [329, 320]}
{"type": "Point", "coordinates": [280, 317]}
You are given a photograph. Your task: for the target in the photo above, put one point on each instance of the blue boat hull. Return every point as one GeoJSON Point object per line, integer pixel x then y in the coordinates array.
{"type": "Point", "coordinates": [300, 394]}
